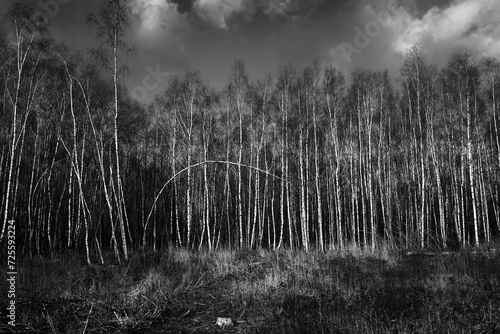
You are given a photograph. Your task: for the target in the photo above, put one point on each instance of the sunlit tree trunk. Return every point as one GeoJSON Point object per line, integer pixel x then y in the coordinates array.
{"type": "Point", "coordinates": [317, 184]}
{"type": "Point", "coordinates": [22, 53]}
{"type": "Point", "coordinates": [303, 218]}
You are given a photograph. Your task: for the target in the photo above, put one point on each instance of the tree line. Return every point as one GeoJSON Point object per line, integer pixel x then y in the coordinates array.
{"type": "Point", "coordinates": [306, 159]}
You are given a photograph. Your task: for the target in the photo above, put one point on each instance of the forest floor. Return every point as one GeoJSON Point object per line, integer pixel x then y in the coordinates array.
{"type": "Point", "coordinates": [178, 291]}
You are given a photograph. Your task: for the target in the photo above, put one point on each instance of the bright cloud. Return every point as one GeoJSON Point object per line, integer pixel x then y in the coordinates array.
{"type": "Point", "coordinates": [155, 14]}
{"type": "Point", "coordinates": [374, 43]}
{"type": "Point", "coordinates": [472, 24]}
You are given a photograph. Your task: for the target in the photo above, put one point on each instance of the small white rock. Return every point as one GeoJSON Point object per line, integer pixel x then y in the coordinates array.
{"type": "Point", "coordinates": [224, 322]}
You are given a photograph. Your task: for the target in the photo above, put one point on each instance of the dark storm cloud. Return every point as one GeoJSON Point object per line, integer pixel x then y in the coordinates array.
{"type": "Point", "coordinates": [183, 6]}
{"type": "Point", "coordinates": [207, 35]}
{"type": "Point", "coordinates": [219, 12]}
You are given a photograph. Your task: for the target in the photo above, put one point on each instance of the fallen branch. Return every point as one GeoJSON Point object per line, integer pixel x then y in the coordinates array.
{"type": "Point", "coordinates": [186, 169]}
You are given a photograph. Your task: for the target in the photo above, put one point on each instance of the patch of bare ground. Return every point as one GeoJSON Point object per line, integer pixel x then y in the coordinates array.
{"type": "Point", "coordinates": [179, 291]}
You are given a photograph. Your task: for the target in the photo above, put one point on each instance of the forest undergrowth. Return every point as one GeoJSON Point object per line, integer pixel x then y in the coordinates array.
{"type": "Point", "coordinates": [180, 291]}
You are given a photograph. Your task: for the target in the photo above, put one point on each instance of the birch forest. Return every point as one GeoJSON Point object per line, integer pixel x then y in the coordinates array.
{"type": "Point", "coordinates": [305, 158]}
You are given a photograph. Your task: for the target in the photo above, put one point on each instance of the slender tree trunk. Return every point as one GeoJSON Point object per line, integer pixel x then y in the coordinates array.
{"type": "Point", "coordinates": [120, 205]}
{"type": "Point", "coordinates": [240, 180]}
{"type": "Point", "coordinates": [317, 183]}
{"type": "Point", "coordinates": [250, 238]}
{"type": "Point", "coordinates": [303, 219]}
{"type": "Point", "coordinates": [100, 158]}
{"type": "Point", "coordinates": [206, 195]}
{"type": "Point", "coordinates": [484, 200]}
{"type": "Point", "coordinates": [20, 61]}
{"type": "Point", "coordinates": [32, 228]}
{"type": "Point", "coordinates": [188, 186]}
{"type": "Point", "coordinates": [471, 174]}
{"type": "Point", "coordinates": [176, 191]}
{"type": "Point", "coordinates": [284, 174]}
{"type": "Point", "coordinates": [354, 201]}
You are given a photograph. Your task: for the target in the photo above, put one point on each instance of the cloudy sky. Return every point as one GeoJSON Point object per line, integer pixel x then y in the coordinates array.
{"type": "Point", "coordinates": [207, 35]}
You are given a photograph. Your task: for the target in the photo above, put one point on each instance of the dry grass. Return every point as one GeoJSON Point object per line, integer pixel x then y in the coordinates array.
{"type": "Point", "coordinates": [179, 291]}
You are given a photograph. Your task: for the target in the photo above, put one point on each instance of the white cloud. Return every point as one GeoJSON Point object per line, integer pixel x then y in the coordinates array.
{"type": "Point", "coordinates": [472, 24]}
{"type": "Point", "coordinates": [462, 24]}
{"type": "Point", "coordinates": [155, 14]}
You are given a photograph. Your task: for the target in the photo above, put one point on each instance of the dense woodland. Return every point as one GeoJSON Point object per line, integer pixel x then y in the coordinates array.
{"type": "Point", "coordinates": [304, 159]}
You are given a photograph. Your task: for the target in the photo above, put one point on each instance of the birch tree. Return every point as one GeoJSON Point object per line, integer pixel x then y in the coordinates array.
{"type": "Point", "coordinates": [110, 25]}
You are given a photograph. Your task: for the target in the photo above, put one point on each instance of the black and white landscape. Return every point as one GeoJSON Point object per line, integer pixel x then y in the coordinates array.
{"type": "Point", "coordinates": [250, 166]}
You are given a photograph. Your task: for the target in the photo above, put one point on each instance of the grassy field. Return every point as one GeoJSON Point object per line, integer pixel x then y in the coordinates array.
{"type": "Point", "coordinates": [178, 291]}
